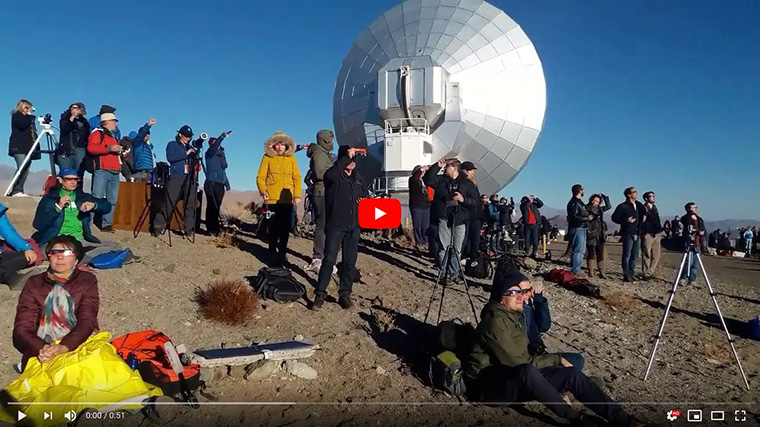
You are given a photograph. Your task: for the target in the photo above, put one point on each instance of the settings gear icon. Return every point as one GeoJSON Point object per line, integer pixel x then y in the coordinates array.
{"type": "Point", "coordinates": [673, 415]}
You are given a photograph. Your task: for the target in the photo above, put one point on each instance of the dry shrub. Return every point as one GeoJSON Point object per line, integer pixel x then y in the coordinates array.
{"type": "Point", "coordinates": [620, 301]}
{"type": "Point", "coordinates": [227, 301]}
{"type": "Point", "coordinates": [384, 320]}
{"type": "Point", "coordinates": [237, 214]}
{"type": "Point", "coordinates": [717, 352]}
{"type": "Point", "coordinates": [225, 240]}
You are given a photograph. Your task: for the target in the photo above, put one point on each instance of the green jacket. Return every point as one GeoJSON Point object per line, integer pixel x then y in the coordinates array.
{"type": "Point", "coordinates": [321, 160]}
{"type": "Point", "coordinates": [500, 338]}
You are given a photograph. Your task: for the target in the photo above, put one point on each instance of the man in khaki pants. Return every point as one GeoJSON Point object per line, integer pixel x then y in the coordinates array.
{"type": "Point", "coordinates": [651, 236]}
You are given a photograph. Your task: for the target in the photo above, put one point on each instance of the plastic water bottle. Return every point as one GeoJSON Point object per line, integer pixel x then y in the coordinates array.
{"type": "Point", "coordinates": [132, 361]}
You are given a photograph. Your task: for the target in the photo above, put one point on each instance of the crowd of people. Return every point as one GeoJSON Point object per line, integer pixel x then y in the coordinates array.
{"type": "Point", "coordinates": [451, 219]}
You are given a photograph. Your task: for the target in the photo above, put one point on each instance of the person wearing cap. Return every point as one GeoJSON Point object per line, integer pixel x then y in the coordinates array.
{"type": "Point", "coordinates": [20, 255]}
{"type": "Point", "coordinates": [66, 210]}
{"type": "Point", "coordinates": [60, 305]}
{"type": "Point", "coordinates": [179, 154]}
{"type": "Point", "coordinates": [453, 198]}
{"type": "Point", "coordinates": [500, 367]}
{"type": "Point", "coordinates": [142, 153]}
{"type": "Point", "coordinates": [344, 189]}
{"type": "Point", "coordinates": [103, 145]}
{"type": "Point", "coordinates": [23, 135]}
{"type": "Point", "coordinates": [217, 183]}
{"type": "Point", "coordinates": [419, 206]}
{"type": "Point", "coordinates": [629, 215]}
{"type": "Point", "coordinates": [72, 145]}
{"type": "Point", "coordinates": [95, 120]}
{"type": "Point", "coordinates": [279, 183]}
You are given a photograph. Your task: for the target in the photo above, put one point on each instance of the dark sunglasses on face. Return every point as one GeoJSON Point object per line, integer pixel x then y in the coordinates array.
{"type": "Point", "coordinates": [511, 292]}
{"type": "Point", "coordinates": [70, 179]}
{"type": "Point", "coordinates": [61, 252]}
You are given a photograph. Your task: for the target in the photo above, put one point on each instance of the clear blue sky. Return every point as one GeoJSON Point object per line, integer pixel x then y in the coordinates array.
{"type": "Point", "coordinates": [659, 94]}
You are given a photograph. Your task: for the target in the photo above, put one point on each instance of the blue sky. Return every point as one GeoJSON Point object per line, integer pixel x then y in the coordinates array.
{"type": "Point", "coordinates": [659, 94]}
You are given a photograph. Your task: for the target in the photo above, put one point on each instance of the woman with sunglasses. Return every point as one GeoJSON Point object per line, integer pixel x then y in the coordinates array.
{"type": "Point", "coordinates": [23, 135]}
{"type": "Point", "coordinates": [57, 310]}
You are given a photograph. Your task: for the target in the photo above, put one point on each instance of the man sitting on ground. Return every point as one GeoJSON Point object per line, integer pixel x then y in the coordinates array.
{"type": "Point", "coordinates": [501, 369]}
{"type": "Point", "coordinates": [11, 262]}
{"type": "Point", "coordinates": [67, 210]}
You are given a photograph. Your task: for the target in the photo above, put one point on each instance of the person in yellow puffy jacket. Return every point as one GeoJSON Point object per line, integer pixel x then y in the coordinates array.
{"type": "Point", "coordinates": [279, 183]}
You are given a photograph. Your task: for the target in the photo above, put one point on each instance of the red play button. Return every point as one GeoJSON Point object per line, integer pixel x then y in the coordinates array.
{"type": "Point", "coordinates": [379, 213]}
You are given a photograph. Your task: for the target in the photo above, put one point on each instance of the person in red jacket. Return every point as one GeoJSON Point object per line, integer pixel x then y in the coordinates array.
{"type": "Point", "coordinates": [57, 310]}
{"type": "Point", "coordinates": [107, 153]}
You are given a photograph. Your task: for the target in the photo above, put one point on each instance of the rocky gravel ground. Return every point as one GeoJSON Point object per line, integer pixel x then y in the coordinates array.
{"type": "Point", "coordinates": [371, 367]}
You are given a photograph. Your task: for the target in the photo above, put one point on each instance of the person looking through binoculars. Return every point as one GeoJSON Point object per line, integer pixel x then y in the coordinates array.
{"type": "Point", "coordinates": [454, 198]}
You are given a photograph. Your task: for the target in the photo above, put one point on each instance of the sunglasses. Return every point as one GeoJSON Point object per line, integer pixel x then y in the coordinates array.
{"type": "Point", "coordinates": [512, 292]}
{"type": "Point", "coordinates": [61, 252]}
{"type": "Point", "coordinates": [70, 179]}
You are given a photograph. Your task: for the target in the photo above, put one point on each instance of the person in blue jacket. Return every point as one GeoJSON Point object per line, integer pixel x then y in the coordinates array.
{"type": "Point", "coordinates": [66, 210]}
{"type": "Point", "coordinates": [142, 153]}
{"type": "Point", "coordinates": [216, 183]}
{"type": "Point", "coordinates": [180, 154]}
{"type": "Point", "coordinates": [10, 261]}
{"type": "Point", "coordinates": [538, 320]}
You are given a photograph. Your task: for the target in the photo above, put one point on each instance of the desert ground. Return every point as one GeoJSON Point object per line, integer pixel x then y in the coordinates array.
{"type": "Point", "coordinates": [372, 362]}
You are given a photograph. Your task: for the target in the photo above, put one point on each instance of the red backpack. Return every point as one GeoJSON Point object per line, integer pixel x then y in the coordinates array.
{"type": "Point", "coordinates": [561, 276]}
{"type": "Point", "coordinates": [148, 349]}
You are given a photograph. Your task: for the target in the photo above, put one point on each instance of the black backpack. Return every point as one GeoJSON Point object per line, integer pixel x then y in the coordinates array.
{"type": "Point", "coordinates": [278, 284]}
{"type": "Point", "coordinates": [446, 372]}
{"type": "Point", "coordinates": [478, 267]}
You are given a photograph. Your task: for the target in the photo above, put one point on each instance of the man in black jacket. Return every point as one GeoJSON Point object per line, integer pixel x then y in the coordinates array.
{"type": "Point", "coordinates": [629, 215]}
{"type": "Point", "coordinates": [344, 188]}
{"type": "Point", "coordinates": [531, 220]}
{"type": "Point", "coordinates": [454, 198]}
{"type": "Point", "coordinates": [577, 224]}
{"type": "Point", "coordinates": [419, 206]}
{"type": "Point", "coordinates": [693, 228]}
{"type": "Point", "coordinates": [72, 146]}
{"type": "Point", "coordinates": [651, 237]}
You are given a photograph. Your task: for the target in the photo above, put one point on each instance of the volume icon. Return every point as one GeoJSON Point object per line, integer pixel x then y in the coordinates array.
{"type": "Point", "coordinates": [71, 415]}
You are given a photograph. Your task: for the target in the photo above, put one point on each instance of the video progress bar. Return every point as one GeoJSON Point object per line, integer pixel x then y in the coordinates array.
{"type": "Point", "coordinates": [208, 403]}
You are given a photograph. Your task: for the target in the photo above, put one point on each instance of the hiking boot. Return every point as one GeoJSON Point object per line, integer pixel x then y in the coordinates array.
{"type": "Point", "coordinates": [315, 265]}
{"type": "Point", "coordinates": [601, 270]}
{"type": "Point", "coordinates": [692, 283]}
{"type": "Point", "coordinates": [345, 302]}
{"type": "Point", "coordinates": [319, 301]}
{"type": "Point", "coordinates": [627, 279]}
{"type": "Point", "coordinates": [581, 275]}
{"type": "Point", "coordinates": [132, 258]}
{"type": "Point", "coordinates": [591, 267]}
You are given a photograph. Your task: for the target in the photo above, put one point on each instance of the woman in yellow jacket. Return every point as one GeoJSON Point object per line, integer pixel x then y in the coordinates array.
{"type": "Point", "coordinates": [279, 183]}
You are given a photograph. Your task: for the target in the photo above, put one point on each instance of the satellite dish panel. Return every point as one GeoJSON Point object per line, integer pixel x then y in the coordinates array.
{"type": "Point", "coordinates": [470, 72]}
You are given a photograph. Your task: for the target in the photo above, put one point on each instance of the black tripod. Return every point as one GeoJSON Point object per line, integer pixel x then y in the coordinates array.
{"type": "Point", "coordinates": [190, 183]}
{"type": "Point", "coordinates": [692, 255]}
{"type": "Point", "coordinates": [443, 276]}
{"type": "Point", "coordinates": [158, 185]}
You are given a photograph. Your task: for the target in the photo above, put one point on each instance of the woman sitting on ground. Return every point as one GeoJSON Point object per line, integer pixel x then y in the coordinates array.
{"type": "Point", "coordinates": [60, 304]}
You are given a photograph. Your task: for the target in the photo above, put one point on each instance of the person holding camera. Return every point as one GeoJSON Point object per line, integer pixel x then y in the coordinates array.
{"type": "Point", "coordinates": [23, 135]}
{"type": "Point", "coordinates": [693, 232]}
{"type": "Point", "coordinates": [279, 183]}
{"type": "Point", "coordinates": [454, 198]}
{"type": "Point", "coordinates": [529, 208]}
{"type": "Point", "coordinates": [142, 153]}
{"type": "Point", "coordinates": [216, 183]}
{"type": "Point", "coordinates": [181, 156]}
{"type": "Point", "coordinates": [596, 233]}
{"type": "Point", "coordinates": [75, 131]}
{"type": "Point", "coordinates": [344, 189]}
{"type": "Point", "coordinates": [106, 154]}
{"type": "Point", "coordinates": [577, 225]}
{"type": "Point", "coordinates": [629, 215]}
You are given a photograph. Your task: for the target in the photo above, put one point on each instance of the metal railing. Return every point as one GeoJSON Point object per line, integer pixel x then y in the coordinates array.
{"type": "Point", "coordinates": [384, 184]}
{"type": "Point", "coordinates": [412, 126]}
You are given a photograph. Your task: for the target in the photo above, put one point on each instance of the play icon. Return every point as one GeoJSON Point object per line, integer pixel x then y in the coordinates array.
{"type": "Point", "coordinates": [379, 214]}
{"type": "Point", "coordinates": [21, 416]}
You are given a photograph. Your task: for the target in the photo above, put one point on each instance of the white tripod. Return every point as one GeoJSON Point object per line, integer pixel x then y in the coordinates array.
{"type": "Point", "coordinates": [47, 131]}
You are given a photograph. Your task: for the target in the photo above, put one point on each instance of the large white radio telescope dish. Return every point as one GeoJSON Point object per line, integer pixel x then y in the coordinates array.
{"type": "Point", "coordinates": [441, 78]}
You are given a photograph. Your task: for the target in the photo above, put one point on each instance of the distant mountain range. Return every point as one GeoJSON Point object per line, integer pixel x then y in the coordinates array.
{"type": "Point", "coordinates": [36, 180]}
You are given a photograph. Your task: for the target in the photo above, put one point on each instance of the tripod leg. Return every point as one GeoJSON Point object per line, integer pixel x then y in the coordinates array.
{"type": "Point", "coordinates": [665, 315]}
{"type": "Point", "coordinates": [467, 287]}
{"type": "Point", "coordinates": [435, 286]}
{"type": "Point", "coordinates": [720, 315]}
{"type": "Point", "coordinates": [447, 260]}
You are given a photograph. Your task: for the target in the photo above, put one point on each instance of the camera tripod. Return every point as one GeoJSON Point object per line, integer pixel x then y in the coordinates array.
{"type": "Point", "coordinates": [691, 254]}
{"type": "Point", "coordinates": [173, 215]}
{"type": "Point", "coordinates": [52, 143]}
{"type": "Point", "coordinates": [443, 277]}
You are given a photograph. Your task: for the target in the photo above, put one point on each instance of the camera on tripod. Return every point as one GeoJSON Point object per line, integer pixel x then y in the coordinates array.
{"type": "Point", "coordinates": [198, 143]}
{"type": "Point", "coordinates": [451, 203]}
{"type": "Point", "coordinates": [46, 119]}
{"type": "Point", "coordinates": [691, 233]}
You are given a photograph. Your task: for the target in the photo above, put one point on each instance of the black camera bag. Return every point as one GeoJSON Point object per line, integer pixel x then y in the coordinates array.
{"type": "Point", "coordinates": [278, 285]}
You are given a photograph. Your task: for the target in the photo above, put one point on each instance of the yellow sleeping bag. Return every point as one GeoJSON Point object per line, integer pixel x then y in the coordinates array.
{"type": "Point", "coordinates": [92, 376]}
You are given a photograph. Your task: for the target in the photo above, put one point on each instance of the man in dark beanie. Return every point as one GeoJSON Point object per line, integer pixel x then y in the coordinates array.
{"type": "Point", "coordinates": [344, 188]}
{"type": "Point", "coordinates": [501, 369]}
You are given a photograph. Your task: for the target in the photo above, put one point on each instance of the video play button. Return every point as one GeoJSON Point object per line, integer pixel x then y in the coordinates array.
{"type": "Point", "coordinates": [378, 214]}
{"type": "Point", "coordinates": [21, 416]}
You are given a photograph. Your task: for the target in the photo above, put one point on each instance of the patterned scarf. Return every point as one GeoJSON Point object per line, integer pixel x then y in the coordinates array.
{"type": "Point", "coordinates": [58, 316]}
